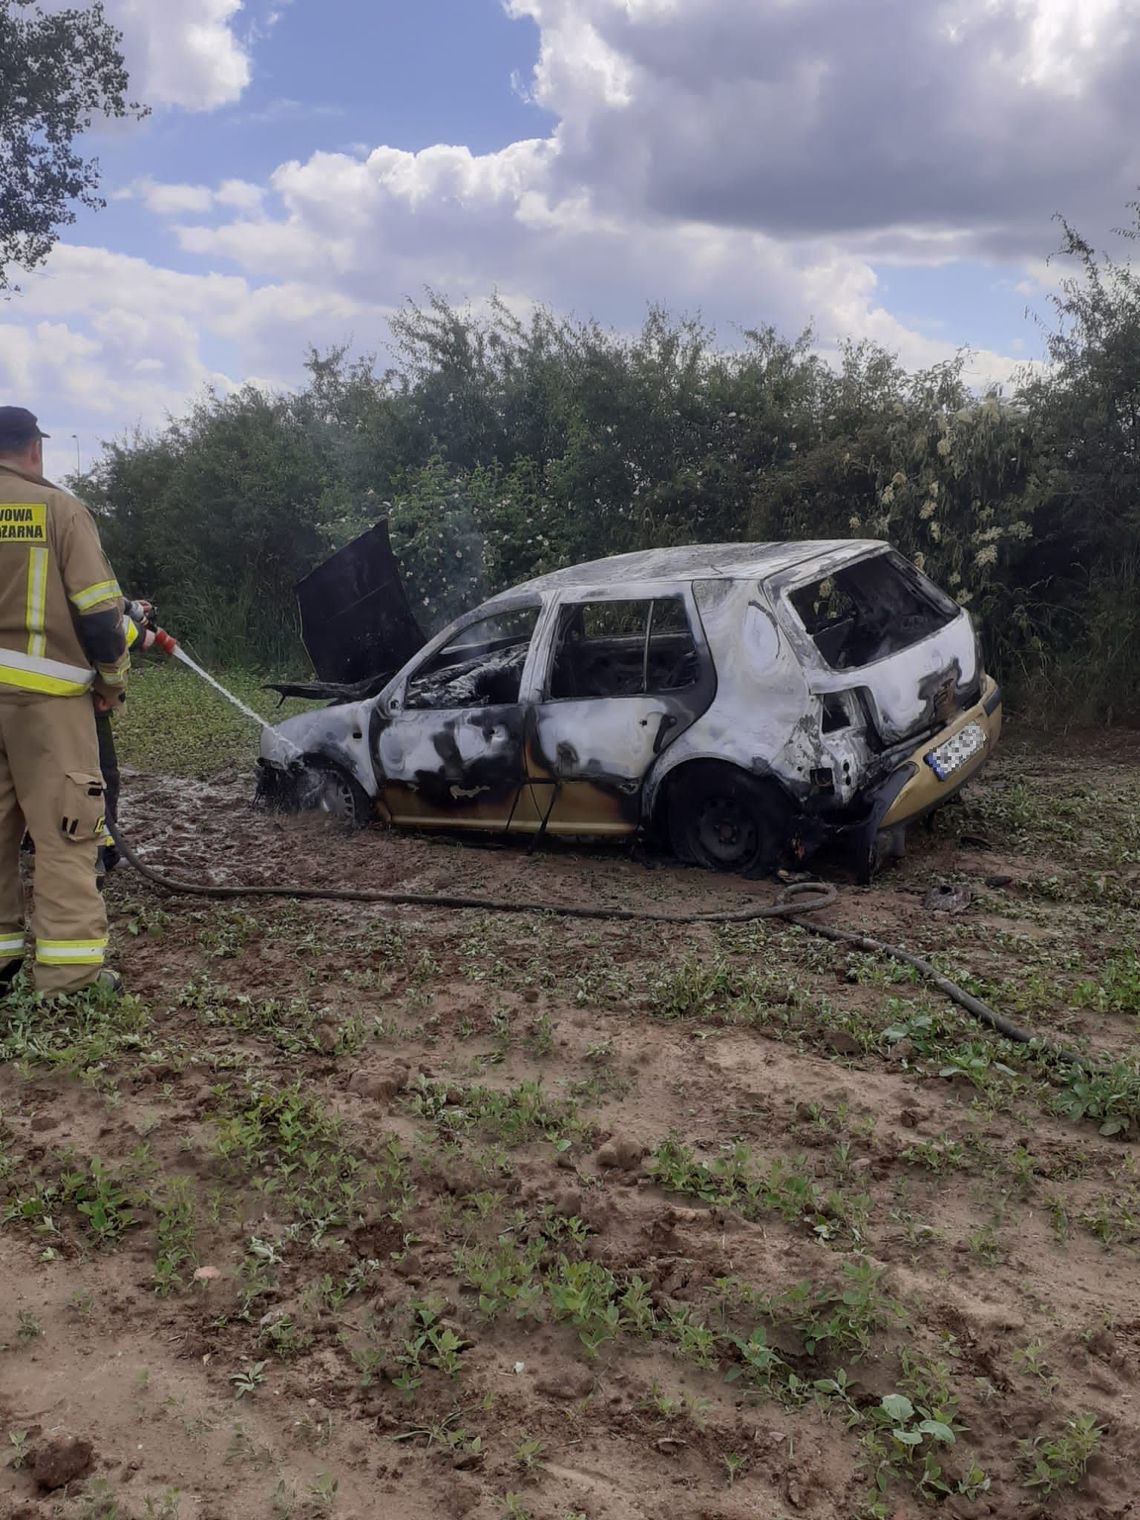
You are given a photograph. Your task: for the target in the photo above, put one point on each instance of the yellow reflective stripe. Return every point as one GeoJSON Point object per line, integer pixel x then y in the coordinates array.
{"type": "Point", "coordinates": [37, 600]}
{"type": "Point", "coordinates": [71, 952]}
{"type": "Point", "coordinates": [44, 684]}
{"type": "Point", "coordinates": [12, 944]}
{"type": "Point", "coordinates": [132, 632]}
{"type": "Point", "coordinates": [102, 591]}
{"type": "Point", "coordinates": [52, 678]}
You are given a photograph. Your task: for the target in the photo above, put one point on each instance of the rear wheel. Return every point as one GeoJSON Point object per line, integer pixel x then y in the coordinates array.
{"type": "Point", "coordinates": [725, 820]}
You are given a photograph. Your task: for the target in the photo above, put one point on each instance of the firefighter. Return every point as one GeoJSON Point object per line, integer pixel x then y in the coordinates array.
{"type": "Point", "coordinates": [62, 648]}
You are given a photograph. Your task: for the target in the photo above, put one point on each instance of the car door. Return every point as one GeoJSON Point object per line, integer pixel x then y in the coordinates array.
{"type": "Point", "coordinates": [620, 676]}
{"type": "Point", "coordinates": [450, 737]}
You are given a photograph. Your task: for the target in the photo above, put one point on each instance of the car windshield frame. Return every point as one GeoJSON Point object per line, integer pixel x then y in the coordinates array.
{"type": "Point", "coordinates": [392, 695]}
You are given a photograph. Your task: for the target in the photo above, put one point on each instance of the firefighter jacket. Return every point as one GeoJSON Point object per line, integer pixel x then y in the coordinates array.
{"type": "Point", "coordinates": [61, 610]}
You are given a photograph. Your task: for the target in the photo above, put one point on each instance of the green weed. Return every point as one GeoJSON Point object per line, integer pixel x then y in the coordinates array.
{"type": "Point", "coordinates": [174, 1236]}
{"type": "Point", "coordinates": [740, 1180]}
{"type": "Point", "coordinates": [515, 1116]}
{"type": "Point", "coordinates": [1116, 989]}
{"type": "Point", "coordinates": [288, 1146]}
{"type": "Point", "coordinates": [83, 1035]}
{"type": "Point", "coordinates": [1049, 1463]}
{"type": "Point", "coordinates": [103, 1202]}
{"type": "Point", "coordinates": [226, 932]}
{"type": "Point", "coordinates": [1108, 1096]}
{"type": "Point", "coordinates": [248, 1379]}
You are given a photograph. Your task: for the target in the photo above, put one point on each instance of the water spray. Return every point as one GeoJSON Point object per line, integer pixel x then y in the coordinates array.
{"type": "Point", "coordinates": [287, 753]}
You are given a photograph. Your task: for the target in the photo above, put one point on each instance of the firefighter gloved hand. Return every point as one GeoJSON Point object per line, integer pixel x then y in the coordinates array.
{"type": "Point", "coordinates": [107, 698]}
{"type": "Point", "coordinates": [142, 612]}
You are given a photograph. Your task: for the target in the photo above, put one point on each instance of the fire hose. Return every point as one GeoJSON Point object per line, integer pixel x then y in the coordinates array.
{"type": "Point", "coordinates": [793, 905]}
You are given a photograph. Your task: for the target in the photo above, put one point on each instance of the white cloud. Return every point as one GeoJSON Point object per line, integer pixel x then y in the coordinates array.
{"type": "Point", "coordinates": [174, 200]}
{"type": "Point", "coordinates": [192, 200]}
{"type": "Point", "coordinates": [239, 194]}
{"type": "Point", "coordinates": [968, 119]}
{"type": "Point", "coordinates": [104, 342]}
{"type": "Point", "coordinates": [386, 226]}
{"type": "Point", "coordinates": [183, 52]}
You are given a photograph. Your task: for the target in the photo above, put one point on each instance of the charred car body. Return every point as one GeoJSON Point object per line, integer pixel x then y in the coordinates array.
{"type": "Point", "coordinates": [744, 702]}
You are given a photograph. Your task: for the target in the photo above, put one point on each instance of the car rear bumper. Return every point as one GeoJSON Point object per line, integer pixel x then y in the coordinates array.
{"type": "Point", "coordinates": [924, 788]}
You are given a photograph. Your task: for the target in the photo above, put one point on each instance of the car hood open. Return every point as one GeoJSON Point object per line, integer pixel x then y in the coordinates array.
{"type": "Point", "coordinates": [356, 624]}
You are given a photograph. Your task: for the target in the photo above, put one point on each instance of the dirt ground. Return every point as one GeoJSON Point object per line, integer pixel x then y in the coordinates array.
{"type": "Point", "coordinates": [362, 1211]}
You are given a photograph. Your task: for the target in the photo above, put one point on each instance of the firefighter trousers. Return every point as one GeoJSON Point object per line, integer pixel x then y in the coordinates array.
{"type": "Point", "coordinates": [50, 782]}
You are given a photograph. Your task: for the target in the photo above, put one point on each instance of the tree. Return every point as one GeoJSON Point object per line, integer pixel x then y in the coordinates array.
{"type": "Point", "coordinates": [1087, 520]}
{"type": "Point", "coordinates": [57, 73]}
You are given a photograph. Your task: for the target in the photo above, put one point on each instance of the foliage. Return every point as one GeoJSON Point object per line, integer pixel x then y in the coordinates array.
{"type": "Point", "coordinates": [1110, 1094]}
{"type": "Point", "coordinates": [58, 72]}
{"type": "Point", "coordinates": [1060, 1461]}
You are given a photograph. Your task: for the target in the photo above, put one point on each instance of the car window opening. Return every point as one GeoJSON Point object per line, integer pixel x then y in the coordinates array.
{"type": "Point", "coordinates": [481, 666]}
{"type": "Point", "coordinates": [870, 610]}
{"type": "Point", "coordinates": [623, 649]}
{"type": "Point", "coordinates": [835, 714]}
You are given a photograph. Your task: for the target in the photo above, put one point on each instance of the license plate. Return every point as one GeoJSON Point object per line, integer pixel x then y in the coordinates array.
{"type": "Point", "coordinates": [951, 756]}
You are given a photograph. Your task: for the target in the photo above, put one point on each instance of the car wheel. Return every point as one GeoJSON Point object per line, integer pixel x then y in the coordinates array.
{"type": "Point", "coordinates": [724, 820]}
{"type": "Point", "coordinates": [342, 797]}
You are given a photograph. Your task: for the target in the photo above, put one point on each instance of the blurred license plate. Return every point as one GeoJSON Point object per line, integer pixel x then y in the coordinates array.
{"type": "Point", "coordinates": [958, 751]}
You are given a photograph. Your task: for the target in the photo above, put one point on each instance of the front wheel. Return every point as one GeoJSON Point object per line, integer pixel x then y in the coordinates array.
{"type": "Point", "coordinates": [341, 796]}
{"type": "Point", "coordinates": [724, 820]}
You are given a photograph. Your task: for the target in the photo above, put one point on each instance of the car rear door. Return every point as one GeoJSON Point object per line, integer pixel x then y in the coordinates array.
{"type": "Point", "coordinates": [619, 675]}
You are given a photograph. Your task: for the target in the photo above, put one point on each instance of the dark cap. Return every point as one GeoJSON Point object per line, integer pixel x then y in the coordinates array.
{"type": "Point", "coordinates": [18, 426]}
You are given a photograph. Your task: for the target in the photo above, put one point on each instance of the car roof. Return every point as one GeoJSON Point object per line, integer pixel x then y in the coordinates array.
{"type": "Point", "coordinates": [697, 562]}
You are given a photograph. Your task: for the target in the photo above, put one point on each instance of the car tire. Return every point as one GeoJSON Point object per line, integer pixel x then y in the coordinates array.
{"type": "Point", "coordinates": [342, 797]}
{"type": "Point", "coordinates": [722, 819]}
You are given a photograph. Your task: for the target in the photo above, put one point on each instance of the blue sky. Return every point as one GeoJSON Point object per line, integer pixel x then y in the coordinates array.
{"type": "Point", "coordinates": [885, 171]}
{"type": "Point", "coordinates": [330, 76]}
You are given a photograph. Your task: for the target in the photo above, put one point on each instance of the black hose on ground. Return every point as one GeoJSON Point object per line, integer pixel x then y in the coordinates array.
{"type": "Point", "coordinates": [802, 897]}
{"type": "Point", "coordinates": [792, 904]}
{"type": "Point", "coordinates": [965, 1000]}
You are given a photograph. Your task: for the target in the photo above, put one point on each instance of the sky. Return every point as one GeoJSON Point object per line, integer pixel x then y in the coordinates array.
{"type": "Point", "coordinates": [878, 169]}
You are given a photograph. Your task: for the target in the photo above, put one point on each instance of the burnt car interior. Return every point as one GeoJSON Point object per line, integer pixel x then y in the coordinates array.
{"type": "Point", "coordinates": [481, 666]}
{"type": "Point", "coordinates": [622, 649]}
{"type": "Point", "coordinates": [870, 610]}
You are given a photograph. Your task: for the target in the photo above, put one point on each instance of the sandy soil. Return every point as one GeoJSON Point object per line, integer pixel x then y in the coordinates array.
{"type": "Point", "coordinates": [364, 1211]}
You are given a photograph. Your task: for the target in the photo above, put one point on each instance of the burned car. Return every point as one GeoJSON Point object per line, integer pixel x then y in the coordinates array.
{"type": "Point", "coordinates": [744, 703]}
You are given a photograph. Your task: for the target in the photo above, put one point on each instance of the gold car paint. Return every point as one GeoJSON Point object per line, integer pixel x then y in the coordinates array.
{"type": "Point", "coordinates": [924, 791]}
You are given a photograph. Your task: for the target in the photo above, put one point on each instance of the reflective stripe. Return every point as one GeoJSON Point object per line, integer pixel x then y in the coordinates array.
{"type": "Point", "coordinates": [131, 629]}
{"type": "Point", "coordinates": [71, 952]}
{"type": "Point", "coordinates": [37, 601]}
{"type": "Point", "coordinates": [12, 944]}
{"type": "Point", "coordinates": [51, 677]}
{"type": "Point", "coordinates": [103, 591]}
